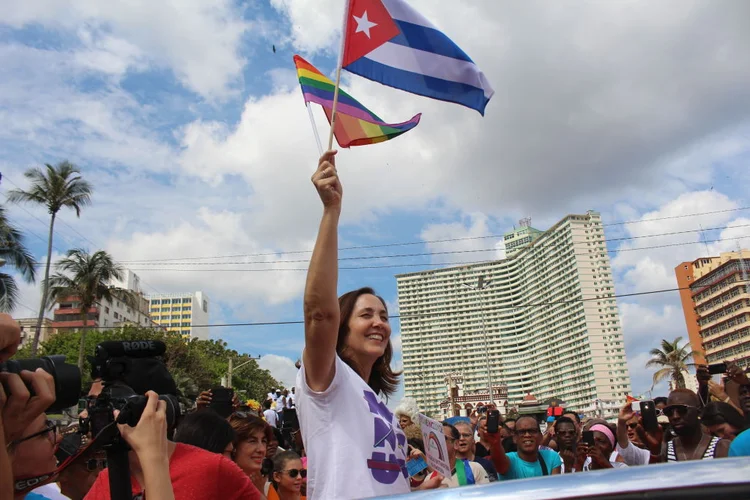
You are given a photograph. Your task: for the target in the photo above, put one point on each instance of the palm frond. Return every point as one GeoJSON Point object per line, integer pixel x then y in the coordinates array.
{"type": "Point", "coordinates": [8, 293]}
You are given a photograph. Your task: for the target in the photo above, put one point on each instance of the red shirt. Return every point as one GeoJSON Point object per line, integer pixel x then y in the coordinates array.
{"type": "Point", "coordinates": [196, 475]}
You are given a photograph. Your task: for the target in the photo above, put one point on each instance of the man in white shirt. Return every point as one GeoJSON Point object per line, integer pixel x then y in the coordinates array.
{"type": "Point", "coordinates": [270, 415]}
{"type": "Point", "coordinates": [291, 398]}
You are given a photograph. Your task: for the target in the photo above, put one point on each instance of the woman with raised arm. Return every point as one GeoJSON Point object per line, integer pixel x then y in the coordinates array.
{"type": "Point", "coordinates": [353, 442]}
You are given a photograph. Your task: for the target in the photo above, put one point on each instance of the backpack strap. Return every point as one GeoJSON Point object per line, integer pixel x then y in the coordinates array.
{"type": "Point", "coordinates": [545, 471]}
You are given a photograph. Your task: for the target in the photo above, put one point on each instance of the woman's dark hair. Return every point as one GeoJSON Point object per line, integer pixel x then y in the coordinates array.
{"type": "Point", "coordinates": [205, 429]}
{"type": "Point", "coordinates": [715, 413]}
{"type": "Point", "coordinates": [382, 378]}
{"type": "Point", "coordinates": [660, 400]}
{"type": "Point", "coordinates": [416, 443]}
{"type": "Point", "coordinates": [279, 462]}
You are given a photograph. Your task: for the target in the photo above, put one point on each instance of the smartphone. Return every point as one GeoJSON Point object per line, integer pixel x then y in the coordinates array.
{"type": "Point", "coordinates": [493, 421]}
{"type": "Point", "coordinates": [717, 369]}
{"type": "Point", "coordinates": [648, 416]}
{"type": "Point", "coordinates": [221, 401]}
{"type": "Point", "coordinates": [588, 438]}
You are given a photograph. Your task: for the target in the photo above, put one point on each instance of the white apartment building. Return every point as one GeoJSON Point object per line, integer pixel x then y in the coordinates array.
{"type": "Point", "coordinates": [551, 321]}
{"type": "Point", "coordinates": [184, 313]}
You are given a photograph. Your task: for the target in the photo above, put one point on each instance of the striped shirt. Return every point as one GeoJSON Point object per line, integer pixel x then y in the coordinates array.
{"type": "Point", "coordinates": [707, 455]}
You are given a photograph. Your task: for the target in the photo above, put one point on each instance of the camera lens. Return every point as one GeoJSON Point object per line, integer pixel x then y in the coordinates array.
{"type": "Point", "coordinates": [67, 378]}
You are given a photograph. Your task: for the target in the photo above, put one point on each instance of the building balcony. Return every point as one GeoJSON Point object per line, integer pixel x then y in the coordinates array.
{"type": "Point", "coordinates": [75, 311]}
{"type": "Point", "coordinates": [92, 323]}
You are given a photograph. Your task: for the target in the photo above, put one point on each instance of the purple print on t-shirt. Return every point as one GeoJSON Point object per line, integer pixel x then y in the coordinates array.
{"type": "Point", "coordinates": [384, 465]}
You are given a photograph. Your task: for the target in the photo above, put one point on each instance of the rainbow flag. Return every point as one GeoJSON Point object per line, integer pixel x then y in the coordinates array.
{"type": "Point", "coordinates": [355, 124]}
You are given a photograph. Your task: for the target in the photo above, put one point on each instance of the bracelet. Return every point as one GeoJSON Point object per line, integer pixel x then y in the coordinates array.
{"type": "Point", "coordinates": [728, 400]}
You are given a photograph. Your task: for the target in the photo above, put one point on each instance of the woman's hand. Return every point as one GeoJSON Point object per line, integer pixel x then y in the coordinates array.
{"type": "Point", "coordinates": [149, 438]}
{"type": "Point", "coordinates": [326, 181]}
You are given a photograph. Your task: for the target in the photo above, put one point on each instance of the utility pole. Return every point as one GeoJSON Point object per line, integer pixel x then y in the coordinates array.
{"type": "Point", "coordinates": [232, 368]}
{"type": "Point", "coordinates": [480, 287]}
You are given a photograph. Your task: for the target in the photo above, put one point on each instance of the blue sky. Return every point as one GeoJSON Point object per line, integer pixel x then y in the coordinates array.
{"type": "Point", "coordinates": [195, 137]}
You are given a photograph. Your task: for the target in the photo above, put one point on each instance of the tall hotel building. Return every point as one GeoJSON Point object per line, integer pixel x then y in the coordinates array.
{"type": "Point", "coordinates": [715, 295]}
{"type": "Point", "coordinates": [551, 319]}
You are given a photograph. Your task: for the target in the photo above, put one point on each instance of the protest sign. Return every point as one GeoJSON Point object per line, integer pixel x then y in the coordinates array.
{"type": "Point", "coordinates": [434, 445]}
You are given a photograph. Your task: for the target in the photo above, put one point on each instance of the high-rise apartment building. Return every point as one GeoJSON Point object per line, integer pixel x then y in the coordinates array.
{"type": "Point", "coordinates": [715, 296]}
{"type": "Point", "coordinates": [184, 313]}
{"type": "Point", "coordinates": [549, 313]}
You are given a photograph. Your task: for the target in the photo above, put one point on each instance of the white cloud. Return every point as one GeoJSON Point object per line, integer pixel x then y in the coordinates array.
{"type": "Point", "coordinates": [199, 41]}
{"type": "Point", "coordinates": [606, 105]}
{"type": "Point", "coordinates": [281, 368]}
{"type": "Point", "coordinates": [465, 241]}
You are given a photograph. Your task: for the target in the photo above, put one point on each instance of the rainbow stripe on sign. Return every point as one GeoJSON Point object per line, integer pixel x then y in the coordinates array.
{"type": "Point", "coordinates": [355, 124]}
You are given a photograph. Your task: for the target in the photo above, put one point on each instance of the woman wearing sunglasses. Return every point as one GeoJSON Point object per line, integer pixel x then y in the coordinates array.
{"type": "Point", "coordinates": [287, 477]}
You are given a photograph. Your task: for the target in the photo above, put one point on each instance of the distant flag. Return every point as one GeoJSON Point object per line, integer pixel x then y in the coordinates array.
{"type": "Point", "coordinates": [389, 42]}
{"type": "Point", "coordinates": [355, 124]}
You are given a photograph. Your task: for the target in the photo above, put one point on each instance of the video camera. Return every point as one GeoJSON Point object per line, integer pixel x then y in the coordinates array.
{"type": "Point", "coordinates": [128, 369]}
{"type": "Point", "coordinates": [67, 378]}
{"type": "Point", "coordinates": [117, 363]}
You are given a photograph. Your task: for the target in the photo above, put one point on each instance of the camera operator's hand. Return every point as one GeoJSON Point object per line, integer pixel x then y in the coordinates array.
{"type": "Point", "coordinates": [10, 337]}
{"type": "Point", "coordinates": [149, 442]}
{"type": "Point", "coordinates": [149, 437]}
{"type": "Point", "coordinates": [17, 406]}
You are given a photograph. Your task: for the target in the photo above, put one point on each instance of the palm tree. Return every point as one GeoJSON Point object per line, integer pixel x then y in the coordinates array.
{"type": "Point", "coordinates": [88, 278]}
{"type": "Point", "coordinates": [57, 187]}
{"type": "Point", "coordinates": [672, 361]}
{"type": "Point", "coordinates": [12, 250]}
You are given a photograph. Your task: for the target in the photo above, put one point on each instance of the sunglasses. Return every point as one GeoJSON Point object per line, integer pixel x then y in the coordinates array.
{"type": "Point", "coordinates": [293, 473]}
{"type": "Point", "coordinates": [50, 429]}
{"type": "Point", "coordinates": [632, 425]}
{"type": "Point", "coordinates": [682, 410]}
{"type": "Point", "coordinates": [243, 415]}
{"type": "Point", "coordinates": [530, 432]}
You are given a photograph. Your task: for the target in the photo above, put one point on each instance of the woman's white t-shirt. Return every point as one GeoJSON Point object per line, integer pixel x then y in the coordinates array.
{"type": "Point", "coordinates": [354, 445]}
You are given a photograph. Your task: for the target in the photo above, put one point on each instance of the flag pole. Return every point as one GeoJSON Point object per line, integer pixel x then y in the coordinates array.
{"type": "Point", "coordinates": [338, 75]}
{"type": "Point", "coordinates": [315, 128]}
{"type": "Point", "coordinates": [335, 104]}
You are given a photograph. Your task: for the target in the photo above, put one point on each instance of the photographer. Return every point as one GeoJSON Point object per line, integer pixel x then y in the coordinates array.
{"type": "Point", "coordinates": [149, 442]}
{"type": "Point", "coordinates": [192, 472]}
{"type": "Point", "coordinates": [22, 420]}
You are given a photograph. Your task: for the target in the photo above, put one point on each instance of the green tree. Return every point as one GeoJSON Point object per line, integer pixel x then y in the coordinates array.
{"type": "Point", "coordinates": [13, 251]}
{"type": "Point", "coordinates": [54, 188]}
{"type": "Point", "coordinates": [672, 361]}
{"type": "Point", "coordinates": [86, 277]}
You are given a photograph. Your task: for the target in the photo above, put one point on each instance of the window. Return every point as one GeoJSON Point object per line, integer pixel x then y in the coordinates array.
{"type": "Point", "coordinates": [106, 310]}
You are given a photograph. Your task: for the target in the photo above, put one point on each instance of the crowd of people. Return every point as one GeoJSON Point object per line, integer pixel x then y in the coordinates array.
{"type": "Point", "coordinates": [332, 436]}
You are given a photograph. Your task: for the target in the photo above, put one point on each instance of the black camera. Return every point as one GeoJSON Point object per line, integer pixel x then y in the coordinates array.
{"type": "Point", "coordinates": [67, 378]}
{"type": "Point", "coordinates": [126, 368]}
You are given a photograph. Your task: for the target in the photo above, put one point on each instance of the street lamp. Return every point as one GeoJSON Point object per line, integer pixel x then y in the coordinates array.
{"type": "Point", "coordinates": [480, 287]}
{"type": "Point", "coordinates": [232, 369]}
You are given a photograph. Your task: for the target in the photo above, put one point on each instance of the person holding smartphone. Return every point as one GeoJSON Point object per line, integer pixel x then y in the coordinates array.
{"type": "Point", "coordinates": [355, 445]}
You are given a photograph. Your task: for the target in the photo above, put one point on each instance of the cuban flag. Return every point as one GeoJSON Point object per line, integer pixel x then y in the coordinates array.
{"type": "Point", "coordinates": [389, 42]}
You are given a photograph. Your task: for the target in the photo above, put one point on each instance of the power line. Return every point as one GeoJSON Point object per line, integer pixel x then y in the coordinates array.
{"type": "Point", "coordinates": [421, 315]}
{"type": "Point", "coordinates": [409, 243]}
{"type": "Point", "coordinates": [422, 254]}
{"type": "Point", "coordinates": [413, 264]}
